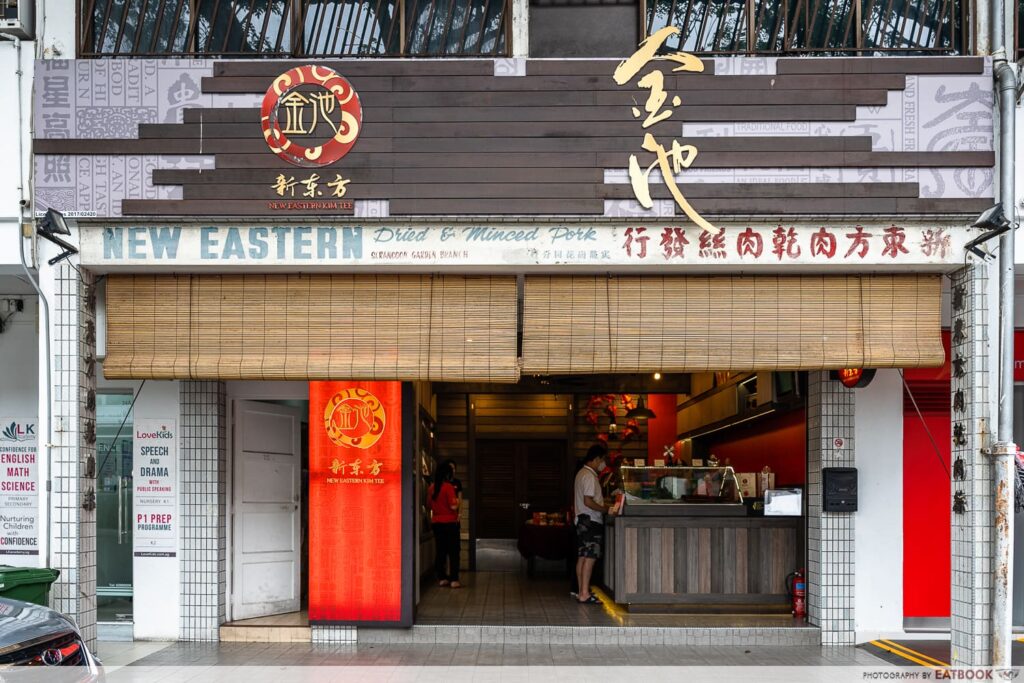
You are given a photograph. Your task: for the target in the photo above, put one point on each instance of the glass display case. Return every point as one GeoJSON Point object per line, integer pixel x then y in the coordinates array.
{"type": "Point", "coordinates": [680, 486]}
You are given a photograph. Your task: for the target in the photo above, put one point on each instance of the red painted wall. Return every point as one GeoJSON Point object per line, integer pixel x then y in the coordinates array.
{"type": "Point", "coordinates": [661, 431]}
{"type": "Point", "coordinates": [926, 507]}
{"type": "Point", "coordinates": [926, 511]}
{"type": "Point", "coordinates": [776, 440]}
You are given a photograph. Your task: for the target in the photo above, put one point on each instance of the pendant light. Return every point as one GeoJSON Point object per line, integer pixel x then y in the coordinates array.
{"type": "Point", "coordinates": [640, 412]}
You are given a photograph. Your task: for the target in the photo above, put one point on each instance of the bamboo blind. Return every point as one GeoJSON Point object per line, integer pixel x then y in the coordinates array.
{"type": "Point", "coordinates": [586, 325]}
{"type": "Point", "coordinates": [299, 327]}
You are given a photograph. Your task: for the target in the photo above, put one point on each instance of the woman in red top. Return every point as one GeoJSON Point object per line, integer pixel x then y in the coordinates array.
{"type": "Point", "coordinates": [444, 515]}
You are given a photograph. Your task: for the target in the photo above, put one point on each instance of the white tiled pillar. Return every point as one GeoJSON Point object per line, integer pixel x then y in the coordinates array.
{"type": "Point", "coordinates": [972, 486]}
{"type": "Point", "coordinates": [73, 400]}
{"type": "Point", "coordinates": [830, 535]}
{"type": "Point", "coordinates": [203, 509]}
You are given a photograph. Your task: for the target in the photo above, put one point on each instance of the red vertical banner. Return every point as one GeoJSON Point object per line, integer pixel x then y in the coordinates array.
{"type": "Point", "coordinates": [355, 501]}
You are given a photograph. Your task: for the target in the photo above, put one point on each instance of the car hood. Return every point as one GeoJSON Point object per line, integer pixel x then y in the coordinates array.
{"type": "Point", "coordinates": [23, 622]}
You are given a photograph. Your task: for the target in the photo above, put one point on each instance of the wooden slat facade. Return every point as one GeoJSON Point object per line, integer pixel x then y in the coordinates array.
{"type": "Point", "coordinates": [450, 138]}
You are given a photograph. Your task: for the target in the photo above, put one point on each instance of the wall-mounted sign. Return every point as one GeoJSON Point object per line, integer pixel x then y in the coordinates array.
{"type": "Point", "coordinates": [19, 486]}
{"type": "Point", "coordinates": [522, 246]}
{"type": "Point", "coordinates": [678, 157]}
{"type": "Point", "coordinates": [355, 502]}
{"type": "Point", "coordinates": [154, 511]}
{"type": "Point", "coordinates": [312, 100]}
{"type": "Point", "coordinates": [855, 378]}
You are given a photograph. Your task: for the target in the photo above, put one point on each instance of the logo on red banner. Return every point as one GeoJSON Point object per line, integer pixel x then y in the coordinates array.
{"type": "Point", "coordinates": [354, 418]}
{"type": "Point", "coordinates": [307, 102]}
{"type": "Point", "coordinates": [355, 502]}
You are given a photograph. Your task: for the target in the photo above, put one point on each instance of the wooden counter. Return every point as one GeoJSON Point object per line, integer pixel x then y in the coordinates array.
{"type": "Point", "coordinates": [728, 561]}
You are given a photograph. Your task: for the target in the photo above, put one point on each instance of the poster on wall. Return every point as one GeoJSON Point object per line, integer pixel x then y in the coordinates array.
{"type": "Point", "coordinates": [19, 486]}
{"type": "Point", "coordinates": [355, 502]}
{"type": "Point", "coordinates": [153, 501]}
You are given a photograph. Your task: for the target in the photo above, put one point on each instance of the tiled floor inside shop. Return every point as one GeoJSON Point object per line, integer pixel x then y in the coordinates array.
{"type": "Point", "coordinates": [514, 599]}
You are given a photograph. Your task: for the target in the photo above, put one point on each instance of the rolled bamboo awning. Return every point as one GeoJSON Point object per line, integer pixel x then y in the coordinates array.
{"type": "Point", "coordinates": [597, 324]}
{"type": "Point", "coordinates": [311, 327]}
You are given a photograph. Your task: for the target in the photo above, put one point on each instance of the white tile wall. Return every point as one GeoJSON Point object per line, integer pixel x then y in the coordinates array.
{"type": "Point", "coordinates": [73, 529]}
{"type": "Point", "coordinates": [333, 634]}
{"type": "Point", "coordinates": [972, 542]}
{"type": "Point", "coordinates": [830, 535]}
{"type": "Point", "coordinates": [203, 510]}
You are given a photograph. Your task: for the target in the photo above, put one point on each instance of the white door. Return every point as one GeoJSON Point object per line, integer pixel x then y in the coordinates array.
{"type": "Point", "coordinates": [266, 534]}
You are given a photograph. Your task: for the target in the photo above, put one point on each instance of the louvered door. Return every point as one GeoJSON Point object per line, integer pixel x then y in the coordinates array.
{"type": "Point", "coordinates": [514, 480]}
{"type": "Point", "coordinates": [496, 490]}
{"type": "Point", "coordinates": [545, 487]}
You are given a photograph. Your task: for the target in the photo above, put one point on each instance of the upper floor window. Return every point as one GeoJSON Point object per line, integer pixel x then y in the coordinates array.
{"type": "Point", "coordinates": [813, 26]}
{"type": "Point", "coordinates": [292, 28]}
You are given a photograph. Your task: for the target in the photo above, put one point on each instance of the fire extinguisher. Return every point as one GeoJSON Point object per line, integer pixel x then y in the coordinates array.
{"type": "Point", "coordinates": [797, 592]}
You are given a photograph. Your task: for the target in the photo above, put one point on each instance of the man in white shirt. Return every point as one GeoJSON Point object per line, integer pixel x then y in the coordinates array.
{"type": "Point", "coordinates": [590, 511]}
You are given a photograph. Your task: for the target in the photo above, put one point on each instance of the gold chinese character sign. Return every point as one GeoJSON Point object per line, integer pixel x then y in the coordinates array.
{"type": "Point", "coordinates": [333, 101]}
{"type": "Point", "coordinates": [678, 157]}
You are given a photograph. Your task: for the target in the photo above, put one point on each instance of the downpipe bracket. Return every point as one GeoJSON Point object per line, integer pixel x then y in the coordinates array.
{"type": "Point", "coordinates": [1001, 449]}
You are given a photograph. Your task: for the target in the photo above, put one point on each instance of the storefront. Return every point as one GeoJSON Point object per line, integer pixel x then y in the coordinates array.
{"type": "Point", "coordinates": [458, 260]}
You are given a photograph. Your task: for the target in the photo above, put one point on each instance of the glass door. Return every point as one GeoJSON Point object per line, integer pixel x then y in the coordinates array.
{"type": "Point", "coordinates": [114, 507]}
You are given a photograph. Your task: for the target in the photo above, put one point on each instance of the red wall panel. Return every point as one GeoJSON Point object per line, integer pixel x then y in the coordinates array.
{"type": "Point", "coordinates": [661, 431]}
{"type": "Point", "coordinates": [776, 440]}
{"type": "Point", "coordinates": [926, 512]}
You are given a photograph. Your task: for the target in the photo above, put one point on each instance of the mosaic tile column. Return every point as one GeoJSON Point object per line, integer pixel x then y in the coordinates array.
{"type": "Point", "coordinates": [830, 538]}
{"type": "Point", "coordinates": [972, 487]}
{"type": "Point", "coordinates": [73, 456]}
{"type": "Point", "coordinates": [203, 510]}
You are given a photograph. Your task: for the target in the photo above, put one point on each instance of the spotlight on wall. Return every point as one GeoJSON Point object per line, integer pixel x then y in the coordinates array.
{"type": "Point", "coordinates": [51, 225]}
{"type": "Point", "coordinates": [54, 223]}
{"type": "Point", "coordinates": [993, 221]}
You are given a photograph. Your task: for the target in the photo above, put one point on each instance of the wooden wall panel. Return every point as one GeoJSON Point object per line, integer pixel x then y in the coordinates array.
{"type": "Point", "coordinates": [449, 138]}
{"type": "Point", "coordinates": [704, 561]}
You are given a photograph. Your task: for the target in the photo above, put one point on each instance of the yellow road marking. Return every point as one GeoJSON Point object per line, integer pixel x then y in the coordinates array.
{"type": "Point", "coordinates": [910, 655]}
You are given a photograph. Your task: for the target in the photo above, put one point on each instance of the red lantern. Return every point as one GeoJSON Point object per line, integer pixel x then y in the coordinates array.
{"type": "Point", "coordinates": [855, 378]}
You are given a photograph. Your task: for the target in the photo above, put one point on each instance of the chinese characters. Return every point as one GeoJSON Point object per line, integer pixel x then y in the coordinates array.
{"type": "Point", "coordinates": [782, 244]}
{"type": "Point", "coordinates": [285, 186]}
{"type": "Point", "coordinates": [670, 161]}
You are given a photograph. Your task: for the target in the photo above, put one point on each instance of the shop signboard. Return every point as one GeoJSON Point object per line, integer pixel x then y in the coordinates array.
{"type": "Point", "coordinates": [19, 487]}
{"type": "Point", "coordinates": [355, 502]}
{"type": "Point", "coordinates": [661, 135]}
{"type": "Point", "coordinates": [154, 512]}
{"type": "Point", "coordinates": [522, 246]}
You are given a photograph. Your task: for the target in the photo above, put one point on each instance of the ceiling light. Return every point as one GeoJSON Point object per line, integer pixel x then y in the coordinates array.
{"type": "Point", "coordinates": [641, 412]}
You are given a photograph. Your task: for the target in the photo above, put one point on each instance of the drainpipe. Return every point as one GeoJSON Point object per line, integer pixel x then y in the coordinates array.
{"type": "Point", "coordinates": [1004, 450]}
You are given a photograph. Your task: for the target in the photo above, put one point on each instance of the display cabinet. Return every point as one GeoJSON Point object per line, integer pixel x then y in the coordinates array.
{"type": "Point", "coordinates": [681, 490]}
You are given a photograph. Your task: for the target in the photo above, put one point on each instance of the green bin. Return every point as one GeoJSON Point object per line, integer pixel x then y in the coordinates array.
{"type": "Point", "coordinates": [28, 584]}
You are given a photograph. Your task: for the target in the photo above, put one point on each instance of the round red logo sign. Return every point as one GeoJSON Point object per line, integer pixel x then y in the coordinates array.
{"type": "Point", "coordinates": [305, 103]}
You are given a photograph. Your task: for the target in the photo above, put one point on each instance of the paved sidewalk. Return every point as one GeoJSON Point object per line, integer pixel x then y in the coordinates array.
{"type": "Point", "coordinates": [485, 662]}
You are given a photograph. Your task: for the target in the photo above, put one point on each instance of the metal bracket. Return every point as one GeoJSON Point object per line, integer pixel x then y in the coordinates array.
{"type": "Point", "coordinates": [1000, 449]}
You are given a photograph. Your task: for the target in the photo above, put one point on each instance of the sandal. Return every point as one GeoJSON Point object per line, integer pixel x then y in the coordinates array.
{"type": "Point", "coordinates": [592, 600]}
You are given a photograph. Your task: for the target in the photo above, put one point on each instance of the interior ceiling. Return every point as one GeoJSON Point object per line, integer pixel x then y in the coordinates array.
{"type": "Point", "coordinates": [670, 383]}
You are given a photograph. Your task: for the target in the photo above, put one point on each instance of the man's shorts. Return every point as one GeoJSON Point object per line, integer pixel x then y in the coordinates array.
{"type": "Point", "coordinates": [589, 537]}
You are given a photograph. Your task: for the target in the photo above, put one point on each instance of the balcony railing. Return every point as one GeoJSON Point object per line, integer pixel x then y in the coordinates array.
{"type": "Point", "coordinates": [292, 28]}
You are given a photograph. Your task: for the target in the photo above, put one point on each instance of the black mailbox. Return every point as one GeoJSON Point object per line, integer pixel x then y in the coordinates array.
{"type": "Point", "coordinates": [840, 489]}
